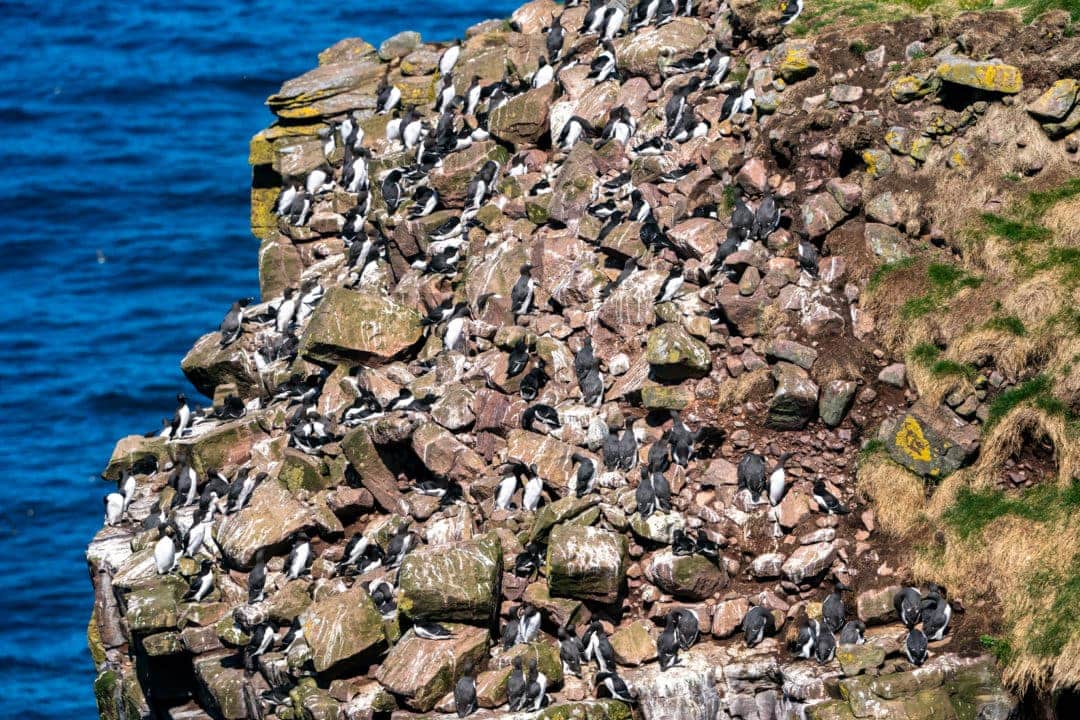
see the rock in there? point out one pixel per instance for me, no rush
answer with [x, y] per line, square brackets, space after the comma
[400, 45]
[856, 659]
[586, 563]
[673, 353]
[907, 88]
[753, 176]
[340, 628]
[444, 455]
[988, 76]
[875, 607]
[1066, 126]
[350, 325]
[696, 237]
[885, 242]
[572, 190]
[767, 566]
[551, 456]
[422, 671]
[221, 682]
[848, 195]
[794, 402]
[631, 304]
[646, 51]
[136, 454]
[270, 517]
[809, 561]
[885, 208]
[793, 352]
[634, 644]
[152, 607]
[932, 442]
[208, 365]
[1055, 103]
[328, 89]
[821, 213]
[687, 691]
[658, 527]
[560, 511]
[895, 375]
[795, 62]
[845, 93]
[836, 397]
[452, 178]
[460, 582]
[524, 118]
[561, 611]
[375, 477]
[665, 397]
[687, 577]
[729, 616]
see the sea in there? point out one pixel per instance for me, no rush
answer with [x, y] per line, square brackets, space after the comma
[124, 236]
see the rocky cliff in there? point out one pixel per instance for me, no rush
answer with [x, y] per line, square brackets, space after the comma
[897, 342]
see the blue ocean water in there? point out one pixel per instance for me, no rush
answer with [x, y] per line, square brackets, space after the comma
[124, 216]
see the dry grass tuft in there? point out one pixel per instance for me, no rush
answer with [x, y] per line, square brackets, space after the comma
[898, 496]
[1022, 425]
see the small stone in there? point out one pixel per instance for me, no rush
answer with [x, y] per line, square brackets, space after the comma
[895, 375]
[845, 93]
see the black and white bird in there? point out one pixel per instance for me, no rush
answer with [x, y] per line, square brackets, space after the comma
[230, 327]
[751, 475]
[286, 310]
[391, 190]
[535, 687]
[199, 531]
[517, 359]
[827, 501]
[832, 610]
[687, 626]
[612, 22]
[516, 685]
[387, 98]
[528, 623]
[808, 257]
[678, 106]
[263, 639]
[257, 580]
[672, 284]
[738, 102]
[620, 126]
[465, 689]
[424, 202]
[202, 583]
[449, 58]
[432, 631]
[667, 644]
[778, 480]
[615, 686]
[114, 508]
[791, 12]
[521, 295]
[603, 65]
[543, 414]
[181, 418]
[575, 129]
[401, 542]
[757, 623]
[529, 560]
[165, 551]
[908, 605]
[717, 68]
[534, 381]
[585, 478]
[300, 556]
[554, 38]
[766, 218]
[481, 185]
[936, 613]
[543, 75]
[534, 486]
[382, 594]
[570, 651]
[592, 387]
[915, 647]
[806, 639]
[241, 488]
[598, 647]
[852, 633]
[504, 495]
[825, 646]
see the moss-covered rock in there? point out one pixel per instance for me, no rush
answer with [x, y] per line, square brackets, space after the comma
[674, 353]
[932, 442]
[586, 563]
[354, 325]
[687, 577]
[152, 607]
[988, 76]
[459, 582]
[665, 397]
[221, 684]
[648, 50]
[557, 512]
[856, 659]
[524, 118]
[269, 518]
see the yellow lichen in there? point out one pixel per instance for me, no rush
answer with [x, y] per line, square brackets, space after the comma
[911, 440]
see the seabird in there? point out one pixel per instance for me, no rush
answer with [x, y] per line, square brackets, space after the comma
[585, 478]
[667, 645]
[792, 11]
[424, 202]
[505, 494]
[592, 387]
[612, 21]
[803, 644]
[825, 646]
[230, 327]
[717, 68]
[521, 295]
[534, 381]
[544, 414]
[751, 475]
[766, 218]
[202, 583]
[604, 65]
[687, 627]
[615, 685]
[832, 610]
[465, 688]
[621, 127]
[181, 417]
[554, 38]
[658, 459]
[536, 687]
[530, 500]
[449, 59]
[852, 633]
[391, 190]
[528, 624]
[575, 129]
[262, 639]
[286, 310]
[915, 647]
[432, 631]
[936, 613]
[597, 646]
[827, 501]
[257, 580]
[528, 561]
[808, 257]
[544, 74]
[401, 542]
[756, 624]
[908, 604]
[241, 488]
[682, 544]
[672, 284]
[778, 480]
[387, 98]
[570, 651]
[516, 685]
[165, 551]
[114, 508]
[382, 594]
[299, 557]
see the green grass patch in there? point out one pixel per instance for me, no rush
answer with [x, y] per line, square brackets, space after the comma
[1056, 627]
[1038, 386]
[883, 271]
[949, 279]
[925, 353]
[870, 448]
[943, 368]
[728, 200]
[1007, 323]
[919, 306]
[1034, 8]
[974, 510]
[858, 47]
[1013, 230]
[999, 647]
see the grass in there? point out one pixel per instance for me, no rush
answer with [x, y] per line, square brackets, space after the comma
[925, 353]
[728, 201]
[1015, 231]
[836, 14]
[1054, 632]
[858, 47]
[1034, 8]
[975, 509]
[945, 281]
[1007, 323]
[883, 271]
[917, 307]
[1036, 391]
[871, 447]
[999, 647]
[943, 368]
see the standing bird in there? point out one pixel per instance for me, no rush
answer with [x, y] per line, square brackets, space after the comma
[517, 359]
[915, 647]
[202, 583]
[230, 327]
[803, 644]
[751, 475]
[766, 218]
[791, 12]
[908, 605]
[181, 417]
[687, 627]
[672, 284]
[597, 646]
[778, 480]
[533, 487]
[299, 557]
[756, 624]
[449, 58]
[534, 381]
[516, 685]
[570, 652]
[936, 613]
[387, 98]
[114, 508]
[536, 689]
[585, 479]
[286, 310]
[554, 38]
[832, 610]
[391, 190]
[825, 646]
[257, 580]
[521, 295]
[827, 501]
[852, 633]
[465, 691]
[165, 551]
[615, 686]
[808, 257]
[667, 644]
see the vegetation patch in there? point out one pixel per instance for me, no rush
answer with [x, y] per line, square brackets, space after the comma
[885, 270]
[974, 510]
[1007, 323]
[925, 353]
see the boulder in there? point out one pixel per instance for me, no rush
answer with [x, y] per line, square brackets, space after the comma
[794, 62]
[269, 518]
[729, 616]
[586, 563]
[208, 365]
[792, 352]
[930, 441]
[1056, 102]
[572, 190]
[856, 659]
[809, 561]
[631, 305]
[648, 50]
[687, 691]
[328, 90]
[836, 397]
[452, 178]
[350, 325]
[524, 118]
[152, 607]
[220, 682]
[136, 454]
[375, 477]
[341, 628]
[550, 455]
[444, 455]
[794, 402]
[988, 76]
[459, 582]
[400, 45]
[687, 577]
[886, 242]
[422, 671]
[673, 353]
[821, 213]
[634, 644]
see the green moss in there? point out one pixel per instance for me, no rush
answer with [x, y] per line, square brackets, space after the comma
[871, 447]
[924, 353]
[943, 368]
[728, 202]
[999, 647]
[884, 270]
[858, 47]
[1007, 323]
